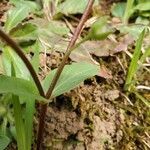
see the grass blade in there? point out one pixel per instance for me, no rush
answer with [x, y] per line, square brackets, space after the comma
[19, 124]
[134, 62]
[29, 114]
[19, 87]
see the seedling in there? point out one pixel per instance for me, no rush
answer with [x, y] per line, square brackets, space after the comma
[136, 61]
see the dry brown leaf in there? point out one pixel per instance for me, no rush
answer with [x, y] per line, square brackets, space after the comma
[107, 47]
[80, 55]
[105, 73]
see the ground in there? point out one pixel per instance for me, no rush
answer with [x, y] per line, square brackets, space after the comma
[98, 114]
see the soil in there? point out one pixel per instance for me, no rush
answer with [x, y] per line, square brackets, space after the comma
[97, 115]
[86, 117]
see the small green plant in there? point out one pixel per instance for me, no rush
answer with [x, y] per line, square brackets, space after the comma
[20, 79]
[137, 60]
[134, 62]
[132, 9]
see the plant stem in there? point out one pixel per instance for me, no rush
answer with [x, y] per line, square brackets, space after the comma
[18, 50]
[59, 70]
[69, 48]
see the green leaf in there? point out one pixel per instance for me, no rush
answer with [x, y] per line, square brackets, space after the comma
[71, 77]
[19, 87]
[1, 65]
[33, 6]
[15, 16]
[143, 6]
[73, 6]
[4, 141]
[58, 28]
[35, 61]
[3, 111]
[19, 13]
[10, 56]
[51, 34]
[29, 114]
[99, 30]
[18, 116]
[19, 124]
[142, 20]
[118, 9]
[24, 32]
[13, 132]
[134, 62]
[133, 30]
[52, 27]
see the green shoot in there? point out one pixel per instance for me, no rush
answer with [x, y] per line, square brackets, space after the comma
[29, 114]
[134, 62]
[19, 124]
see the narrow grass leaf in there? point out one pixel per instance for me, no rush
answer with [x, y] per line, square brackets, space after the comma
[71, 76]
[134, 62]
[19, 124]
[29, 114]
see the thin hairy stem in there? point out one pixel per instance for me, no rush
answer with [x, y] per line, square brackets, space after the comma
[20, 53]
[59, 70]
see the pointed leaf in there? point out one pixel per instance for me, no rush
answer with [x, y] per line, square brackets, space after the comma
[134, 62]
[73, 6]
[24, 32]
[19, 13]
[10, 56]
[15, 16]
[71, 76]
[19, 87]
[33, 6]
